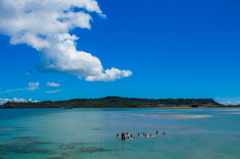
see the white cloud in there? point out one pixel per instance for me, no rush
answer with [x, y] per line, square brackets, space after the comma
[5, 100]
[17, 100]
[45, 25]
[110, 75]
[55, 91]
[229, 100]
[11, 90]
[53, 84]
[32, 86]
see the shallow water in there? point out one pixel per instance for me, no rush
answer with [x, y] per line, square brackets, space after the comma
[91, 133]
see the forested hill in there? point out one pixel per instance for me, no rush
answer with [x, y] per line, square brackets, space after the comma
[115, 102]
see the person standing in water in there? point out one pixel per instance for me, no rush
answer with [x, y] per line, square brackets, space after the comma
[156, 132]
[117, 135]
[150, 134]
[123, 136]
[164, 133]
[138, 134]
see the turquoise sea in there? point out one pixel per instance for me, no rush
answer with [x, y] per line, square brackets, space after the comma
[91, 133]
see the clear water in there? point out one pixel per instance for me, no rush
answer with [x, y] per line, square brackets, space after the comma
[91, 133]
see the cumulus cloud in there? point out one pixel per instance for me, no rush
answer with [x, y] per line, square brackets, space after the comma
[5, 100]
[17, 100]
[45, 25]
[53, 84]
[109, 75]
[55, 91]
[32, 86]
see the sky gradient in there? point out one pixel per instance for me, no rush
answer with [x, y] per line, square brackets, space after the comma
[174, 49]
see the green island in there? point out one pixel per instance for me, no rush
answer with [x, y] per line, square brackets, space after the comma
[120, 102]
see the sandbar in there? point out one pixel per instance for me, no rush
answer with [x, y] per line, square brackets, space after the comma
[173, 116]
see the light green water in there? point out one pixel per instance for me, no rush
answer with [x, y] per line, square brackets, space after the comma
[91, 133]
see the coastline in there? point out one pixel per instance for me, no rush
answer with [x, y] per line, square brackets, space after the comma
[170, 107]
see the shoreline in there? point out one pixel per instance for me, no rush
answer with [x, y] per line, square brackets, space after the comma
[185, 107]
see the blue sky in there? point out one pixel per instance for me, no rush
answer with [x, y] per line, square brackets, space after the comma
[174, 49]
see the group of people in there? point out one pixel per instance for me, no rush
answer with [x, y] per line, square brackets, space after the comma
[127, 136]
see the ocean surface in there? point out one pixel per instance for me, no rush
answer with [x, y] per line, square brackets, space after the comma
[91, 133]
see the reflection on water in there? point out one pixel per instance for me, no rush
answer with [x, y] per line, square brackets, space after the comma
[91, 133]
